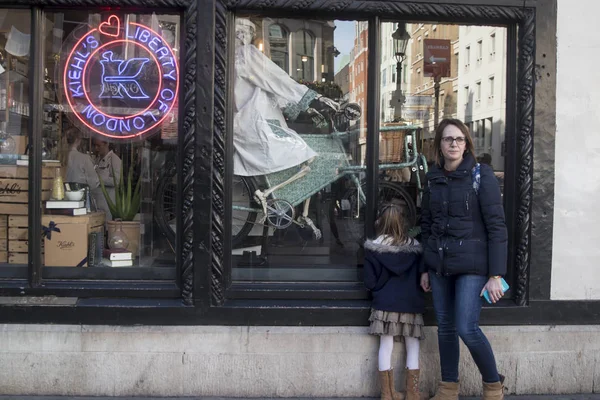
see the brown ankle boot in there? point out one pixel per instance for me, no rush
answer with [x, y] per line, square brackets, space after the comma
[446, 391]
[493, 391]
[388, 389]
[412, 385]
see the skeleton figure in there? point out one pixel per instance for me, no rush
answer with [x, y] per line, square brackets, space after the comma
[264, 96]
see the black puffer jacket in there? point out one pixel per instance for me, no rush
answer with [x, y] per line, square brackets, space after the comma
[463, 232]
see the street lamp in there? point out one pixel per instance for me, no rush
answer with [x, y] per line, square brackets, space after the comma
[401, 38]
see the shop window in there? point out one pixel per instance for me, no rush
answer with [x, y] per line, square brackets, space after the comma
[109, 145]
[304, 61]
[306, 222]
[278, 42]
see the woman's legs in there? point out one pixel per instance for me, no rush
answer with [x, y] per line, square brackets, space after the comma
[443, 289]
[386, 346]
[468, 308]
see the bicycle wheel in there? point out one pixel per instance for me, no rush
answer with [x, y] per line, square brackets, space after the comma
[242, 221]
[389, 192]
[165, 201]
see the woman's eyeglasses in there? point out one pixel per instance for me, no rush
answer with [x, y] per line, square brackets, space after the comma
[450, 139]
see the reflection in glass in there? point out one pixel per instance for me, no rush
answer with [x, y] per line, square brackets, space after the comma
[304, 46]
[299, 147]
[278, 40]
[469, 87]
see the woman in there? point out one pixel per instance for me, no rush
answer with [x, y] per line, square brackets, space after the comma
[80, 168]
[465, 247]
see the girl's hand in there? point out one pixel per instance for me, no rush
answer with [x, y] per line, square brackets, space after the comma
[425, 282]
[494, 288]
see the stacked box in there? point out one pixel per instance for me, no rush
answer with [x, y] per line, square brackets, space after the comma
[18, 239]
[69, 247]
[14, 188]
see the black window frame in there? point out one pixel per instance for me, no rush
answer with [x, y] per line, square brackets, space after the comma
[205, 295]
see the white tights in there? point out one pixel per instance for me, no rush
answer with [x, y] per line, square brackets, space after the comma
[386, 346]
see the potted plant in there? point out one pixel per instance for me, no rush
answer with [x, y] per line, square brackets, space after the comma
[124, 208]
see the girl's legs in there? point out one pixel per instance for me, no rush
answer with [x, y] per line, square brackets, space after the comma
[386, 346]
[412, 352]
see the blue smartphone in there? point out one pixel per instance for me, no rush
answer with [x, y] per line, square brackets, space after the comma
[505, 287]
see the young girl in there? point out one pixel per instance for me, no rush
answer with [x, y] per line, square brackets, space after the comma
[392, 276]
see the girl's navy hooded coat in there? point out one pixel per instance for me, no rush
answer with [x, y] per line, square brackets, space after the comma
[392, 276]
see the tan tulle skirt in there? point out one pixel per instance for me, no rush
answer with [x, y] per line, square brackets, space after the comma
[396, 324]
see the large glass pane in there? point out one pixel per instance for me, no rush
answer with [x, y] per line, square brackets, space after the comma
[299, 151]
[467, 66]
[15, 107]
[110, 136]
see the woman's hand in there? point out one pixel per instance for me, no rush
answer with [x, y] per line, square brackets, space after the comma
[494, 288]
[425, 282]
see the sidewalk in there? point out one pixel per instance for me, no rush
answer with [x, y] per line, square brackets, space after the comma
[545, 397]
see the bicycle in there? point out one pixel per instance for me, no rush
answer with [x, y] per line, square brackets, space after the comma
[270, 201]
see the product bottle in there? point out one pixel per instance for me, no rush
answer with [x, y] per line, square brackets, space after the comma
[58, 187]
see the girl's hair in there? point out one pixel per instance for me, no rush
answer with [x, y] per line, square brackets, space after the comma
[390, 223]
[69, 138]
[437, 142]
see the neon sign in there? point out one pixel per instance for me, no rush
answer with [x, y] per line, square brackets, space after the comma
[121, 82]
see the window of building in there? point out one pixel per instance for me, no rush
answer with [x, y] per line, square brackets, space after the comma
[491, 88]
[467, 95]
[479, 51]
[279, 43]
[384, 77]
[492, 46]
[112, 143]
[304, 48]
[467, 57]
[477, 93]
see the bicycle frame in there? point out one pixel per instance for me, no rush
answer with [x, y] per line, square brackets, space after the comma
[285, 179]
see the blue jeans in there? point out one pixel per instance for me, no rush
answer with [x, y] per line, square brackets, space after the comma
[457, 307]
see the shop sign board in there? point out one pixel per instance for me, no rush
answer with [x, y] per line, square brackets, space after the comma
[120, 79]
[437, 55]
[416, 101]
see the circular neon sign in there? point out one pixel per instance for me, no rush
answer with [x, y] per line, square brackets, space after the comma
[121, 82]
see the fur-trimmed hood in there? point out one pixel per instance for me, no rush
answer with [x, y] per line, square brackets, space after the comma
[378, 246]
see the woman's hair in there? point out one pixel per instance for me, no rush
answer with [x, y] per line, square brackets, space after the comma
[390, 223]
[69, 138]
[437, 143]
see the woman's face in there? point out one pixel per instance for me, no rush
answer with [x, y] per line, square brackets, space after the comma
[453, 144]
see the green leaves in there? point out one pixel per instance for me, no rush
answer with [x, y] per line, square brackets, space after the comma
[127, 198]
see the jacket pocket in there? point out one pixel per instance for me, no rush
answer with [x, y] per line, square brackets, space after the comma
[466, 257]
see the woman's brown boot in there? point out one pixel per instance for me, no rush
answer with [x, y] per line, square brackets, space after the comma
[412, 385]
[495, 390]
[446, 391]
[388, 389]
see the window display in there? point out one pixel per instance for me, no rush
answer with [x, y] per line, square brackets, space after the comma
[292, 161]
[112, 82]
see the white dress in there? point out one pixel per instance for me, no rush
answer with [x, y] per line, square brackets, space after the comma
[262, 139]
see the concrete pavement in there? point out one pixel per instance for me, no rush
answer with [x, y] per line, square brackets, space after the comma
[543, 397]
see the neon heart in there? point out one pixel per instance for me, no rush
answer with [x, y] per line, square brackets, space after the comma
[111, 27]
